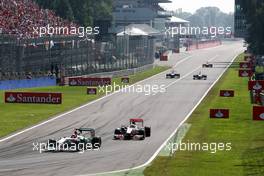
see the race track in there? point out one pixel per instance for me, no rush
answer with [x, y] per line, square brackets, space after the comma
[163, 112]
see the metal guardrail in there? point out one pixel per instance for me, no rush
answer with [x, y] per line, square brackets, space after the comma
[114, 74]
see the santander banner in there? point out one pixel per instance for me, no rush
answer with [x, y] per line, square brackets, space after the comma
[219, 113]
[227, 93]
[33, 97]
[245, 73]
[245, 65]
[256, 85]
[81, 81]
[258, 113]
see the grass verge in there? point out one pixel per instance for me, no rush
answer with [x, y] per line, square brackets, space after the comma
[15, 117]
[246, 136]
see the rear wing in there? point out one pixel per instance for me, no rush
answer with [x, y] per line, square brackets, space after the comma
[136, 120]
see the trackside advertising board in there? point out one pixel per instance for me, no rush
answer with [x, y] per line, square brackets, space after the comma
[227, 93]
[33, 97]
[245, 65]
[81, 81]
[219, 113]
[163, 58]
[258, 113]
[245, 73]
[91, 91]
[125, 80]
[256, 85]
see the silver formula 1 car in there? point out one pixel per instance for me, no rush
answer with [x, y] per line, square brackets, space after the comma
[134, 131]
[81, 139]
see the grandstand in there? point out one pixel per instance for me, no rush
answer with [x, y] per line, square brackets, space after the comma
[18, 17]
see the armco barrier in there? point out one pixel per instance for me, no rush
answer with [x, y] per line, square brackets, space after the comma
[114, 74]
[27, 83]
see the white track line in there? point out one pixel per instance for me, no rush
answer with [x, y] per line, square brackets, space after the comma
[174, 132]
[85, 105]
[181, 61]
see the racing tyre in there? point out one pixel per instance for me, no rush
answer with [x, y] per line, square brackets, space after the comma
[147, 131]
[96, 142]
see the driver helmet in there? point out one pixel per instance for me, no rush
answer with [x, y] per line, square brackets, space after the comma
[132, 126]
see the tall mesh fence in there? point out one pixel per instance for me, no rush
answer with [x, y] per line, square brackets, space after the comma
[71, 55]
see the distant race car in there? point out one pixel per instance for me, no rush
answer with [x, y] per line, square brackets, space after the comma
[134, 131]
[172, 74]
[207, 65]
[81, 139]
[200, 77]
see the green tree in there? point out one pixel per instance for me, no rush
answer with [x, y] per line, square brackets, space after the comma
[83, 12]
[254, 14]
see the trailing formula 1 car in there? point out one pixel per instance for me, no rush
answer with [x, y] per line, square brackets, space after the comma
[135, 130]
[207, 65]
[173, 74]
[200, 76]
[81, 139]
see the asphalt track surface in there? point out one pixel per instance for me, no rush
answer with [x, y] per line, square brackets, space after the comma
[162, 111]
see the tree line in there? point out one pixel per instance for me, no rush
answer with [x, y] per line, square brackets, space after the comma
[208, 17]
[82, 12]
[254, 14]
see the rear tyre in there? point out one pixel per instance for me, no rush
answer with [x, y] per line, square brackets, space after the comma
[51, 145]
[147, 131]
[96, 142]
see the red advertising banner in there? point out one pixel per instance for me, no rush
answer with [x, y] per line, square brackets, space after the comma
[245, 73]
[81, 81]
[258, 112]
[245, 65]
[219, 113]
[33, 97]
[91, 91]
[256, 85]
[227, 93]
[125, 80]
[163, 58]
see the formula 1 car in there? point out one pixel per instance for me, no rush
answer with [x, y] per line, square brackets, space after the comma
[81, 139]
[207, 65]
[199, 77]
[172, 74]
[135, 130]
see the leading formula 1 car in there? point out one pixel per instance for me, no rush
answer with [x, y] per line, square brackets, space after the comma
[200, 76]
[207, 65]
[173, 74]
[135, 130]
[81, 139]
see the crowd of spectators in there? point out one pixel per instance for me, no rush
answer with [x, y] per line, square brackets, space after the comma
[18, 17]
